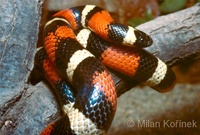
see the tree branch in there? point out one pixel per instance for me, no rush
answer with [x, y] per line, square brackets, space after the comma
[176, 38]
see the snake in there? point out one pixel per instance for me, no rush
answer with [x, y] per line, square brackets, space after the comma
[80, 46]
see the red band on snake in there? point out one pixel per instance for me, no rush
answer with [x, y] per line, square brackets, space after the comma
[77, 41]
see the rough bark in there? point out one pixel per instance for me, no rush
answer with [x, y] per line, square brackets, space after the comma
[176, 36]
[26, 109]
[19, 29]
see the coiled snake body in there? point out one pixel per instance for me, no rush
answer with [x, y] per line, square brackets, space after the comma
[78, 43]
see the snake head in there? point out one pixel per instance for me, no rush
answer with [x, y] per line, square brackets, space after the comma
[142, 39]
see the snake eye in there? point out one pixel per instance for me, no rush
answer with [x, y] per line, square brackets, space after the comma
[142, 39]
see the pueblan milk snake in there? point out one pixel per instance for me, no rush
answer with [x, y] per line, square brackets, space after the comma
[78, 43]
